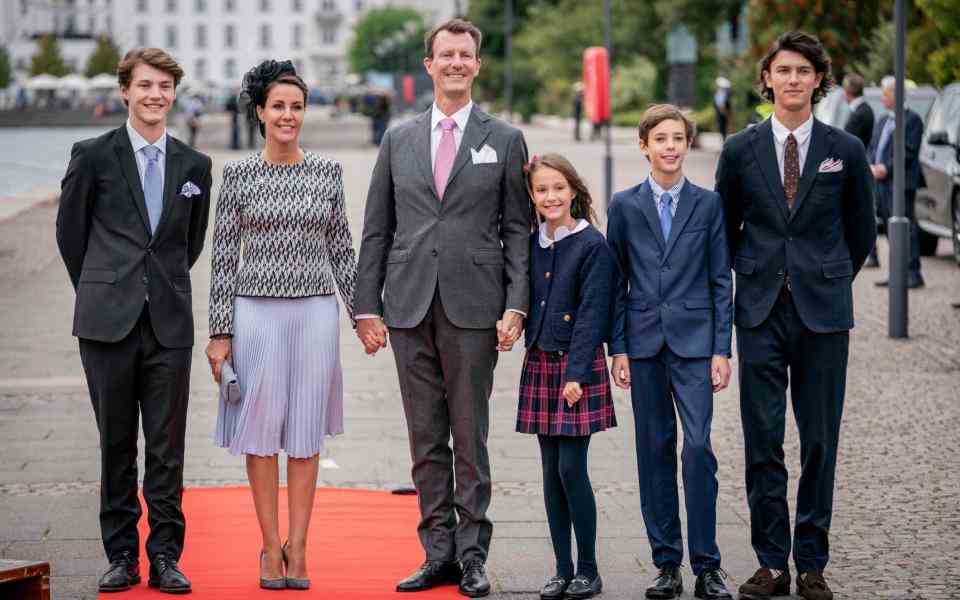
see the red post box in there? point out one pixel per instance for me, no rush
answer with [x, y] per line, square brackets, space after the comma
[596, 84]
[408, 91]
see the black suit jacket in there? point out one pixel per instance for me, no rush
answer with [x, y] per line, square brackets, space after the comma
[104, 238]
[860, 124]
[821, 244]
[913, 135]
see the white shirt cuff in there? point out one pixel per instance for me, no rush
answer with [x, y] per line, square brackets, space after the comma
[519, 312]
[365, 316]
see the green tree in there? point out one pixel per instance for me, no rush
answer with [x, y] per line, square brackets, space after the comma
[104, 59]
[388, 39]
[944, 60]
[6, 72]
[48, 58]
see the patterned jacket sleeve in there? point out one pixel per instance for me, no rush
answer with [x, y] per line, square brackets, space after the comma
[339, 242]
[225, 254]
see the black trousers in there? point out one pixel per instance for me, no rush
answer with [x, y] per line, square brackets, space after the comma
[446, 376]
[885, 211]
[138, 375]
[778, 351]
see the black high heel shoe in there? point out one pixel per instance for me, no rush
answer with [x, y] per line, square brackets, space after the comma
[294, 583]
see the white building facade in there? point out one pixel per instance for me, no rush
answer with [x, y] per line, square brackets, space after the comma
[216, 41]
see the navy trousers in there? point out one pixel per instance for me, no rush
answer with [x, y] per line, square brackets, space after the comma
[817, 366]
[661, 387]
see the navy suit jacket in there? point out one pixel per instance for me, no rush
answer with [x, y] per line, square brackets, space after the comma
[914, 176]
[677, 291]
[821, 244]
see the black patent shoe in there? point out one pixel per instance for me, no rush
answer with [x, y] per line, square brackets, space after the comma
[474, 583]
[166, 576]
[583, 587]
[431, 574]
[554, 588]
[668, 584]
[123, 573]
[710, 585]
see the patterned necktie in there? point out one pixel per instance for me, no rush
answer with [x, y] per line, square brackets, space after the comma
[791, 170]
[446, 153]
[153, 186]
[666, 217]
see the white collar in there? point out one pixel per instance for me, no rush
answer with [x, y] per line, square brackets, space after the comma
[856, 102]
[674, 190]
[138, 142]
[461, 116]
[560, 233]
[780, 131]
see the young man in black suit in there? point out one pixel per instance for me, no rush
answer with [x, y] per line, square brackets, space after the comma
[133, 214]
[798, 201]
[860, 125]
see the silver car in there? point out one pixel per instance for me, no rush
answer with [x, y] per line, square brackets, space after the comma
[938, 204]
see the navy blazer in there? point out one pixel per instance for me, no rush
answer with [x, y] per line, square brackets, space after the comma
[821, 244]
[677, 291]
[911, 159]
[571, 298]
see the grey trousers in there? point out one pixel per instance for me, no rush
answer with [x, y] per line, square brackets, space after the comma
[446, 376]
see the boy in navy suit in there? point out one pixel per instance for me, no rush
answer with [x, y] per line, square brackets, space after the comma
[671, 345]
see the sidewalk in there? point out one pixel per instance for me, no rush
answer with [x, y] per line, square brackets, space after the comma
[895, 525]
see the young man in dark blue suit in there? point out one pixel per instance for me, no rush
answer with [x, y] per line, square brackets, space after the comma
[798, 201]
[671, 343]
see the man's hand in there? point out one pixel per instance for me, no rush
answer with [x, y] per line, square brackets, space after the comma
[508, 330]
[572, 392]
[218, 352]
[621, 371]
[372, 333]
[879, 171]
[719, 372]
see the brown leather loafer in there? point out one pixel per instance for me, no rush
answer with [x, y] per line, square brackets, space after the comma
[764, 585]
[812, 586]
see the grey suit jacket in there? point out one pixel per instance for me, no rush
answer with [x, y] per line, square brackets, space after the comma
[473, 243]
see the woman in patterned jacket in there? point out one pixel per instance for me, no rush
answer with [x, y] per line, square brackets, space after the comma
[281, 244]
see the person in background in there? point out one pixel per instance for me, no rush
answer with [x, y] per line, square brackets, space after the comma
[577, 109]
[721, 105]
[233, 109]
[860, 125]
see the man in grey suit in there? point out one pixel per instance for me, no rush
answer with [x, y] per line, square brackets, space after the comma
[443, 264]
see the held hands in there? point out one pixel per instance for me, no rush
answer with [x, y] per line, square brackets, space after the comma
[508, 330]
[879, 171]
[719, 372]
[621, 371]
[572, 392]
[373, 334]
[218, 352]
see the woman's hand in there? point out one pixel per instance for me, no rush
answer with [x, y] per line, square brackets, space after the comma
[572, 392]
[218, 351]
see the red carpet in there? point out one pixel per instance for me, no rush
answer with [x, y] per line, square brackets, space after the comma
[361, 543]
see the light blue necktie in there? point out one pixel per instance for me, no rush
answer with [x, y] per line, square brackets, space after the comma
[666, 218]
[885, 134]
[153, 186]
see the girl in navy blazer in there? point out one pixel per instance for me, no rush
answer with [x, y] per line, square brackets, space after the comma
[565, 393]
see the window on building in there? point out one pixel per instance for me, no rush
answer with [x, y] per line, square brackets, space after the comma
[24, 7]
[265, 32]
[358, 5]
[171, 6]
[200, 6]
[298, 65]
[71, 25]
[109, 24]
[200, 68]
[171, 36]
[143, 40]
[230, 68]
[329, 5]
[141, 6]
[264, 5]
[229, 36]
[297, 38]
[229, 5]
[329, 35]
[91, 24]
[201, 36]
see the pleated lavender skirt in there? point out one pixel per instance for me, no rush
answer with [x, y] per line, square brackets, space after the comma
[286, 353]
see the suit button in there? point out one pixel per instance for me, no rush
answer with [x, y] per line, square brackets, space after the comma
[433, 252]
[543, 303]
[566, 318]
[780, 272]
[144, 280]
[547, 275]
[149, 250]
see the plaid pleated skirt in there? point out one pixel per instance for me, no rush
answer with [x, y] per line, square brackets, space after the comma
[543, 409]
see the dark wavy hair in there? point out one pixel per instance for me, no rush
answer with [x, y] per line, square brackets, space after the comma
[582, 205]
[811, 49]
[258, 82]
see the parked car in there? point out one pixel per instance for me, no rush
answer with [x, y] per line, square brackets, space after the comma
[834, 110]
[938, 204]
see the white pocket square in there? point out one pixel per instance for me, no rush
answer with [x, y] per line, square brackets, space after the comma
[189, 189]
[485, 155]
[831, 165]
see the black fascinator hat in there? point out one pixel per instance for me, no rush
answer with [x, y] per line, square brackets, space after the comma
[258, 81]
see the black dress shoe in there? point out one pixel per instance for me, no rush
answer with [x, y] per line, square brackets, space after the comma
[668, 583]
[554, 588]
[123, 573]
[166, 576]
[431, 574]
[474, 583]
[710, 585]
[582, 587]
[913, 282]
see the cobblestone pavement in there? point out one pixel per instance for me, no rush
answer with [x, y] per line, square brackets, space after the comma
[896, 522]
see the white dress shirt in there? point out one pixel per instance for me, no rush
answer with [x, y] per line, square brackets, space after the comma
[436, 132]
[856, 102]
[674, 192]
[802, 133]
[138, 143]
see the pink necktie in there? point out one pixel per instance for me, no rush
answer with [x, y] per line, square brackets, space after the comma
[446, 153]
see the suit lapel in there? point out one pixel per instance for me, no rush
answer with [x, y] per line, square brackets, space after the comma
[766, 155]
[820, 146]
[421, 147]
[685, 207]
[171, 176]
[648, 207]
[128, 166]
[473, 137]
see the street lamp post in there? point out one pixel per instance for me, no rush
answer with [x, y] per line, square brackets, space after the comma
[508, 56]
[608, 155]
[898, 227]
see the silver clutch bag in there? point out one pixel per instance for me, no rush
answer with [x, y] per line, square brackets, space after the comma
[229, 386]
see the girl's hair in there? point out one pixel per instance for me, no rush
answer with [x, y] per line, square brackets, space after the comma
[582, 205]
[258, 82]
